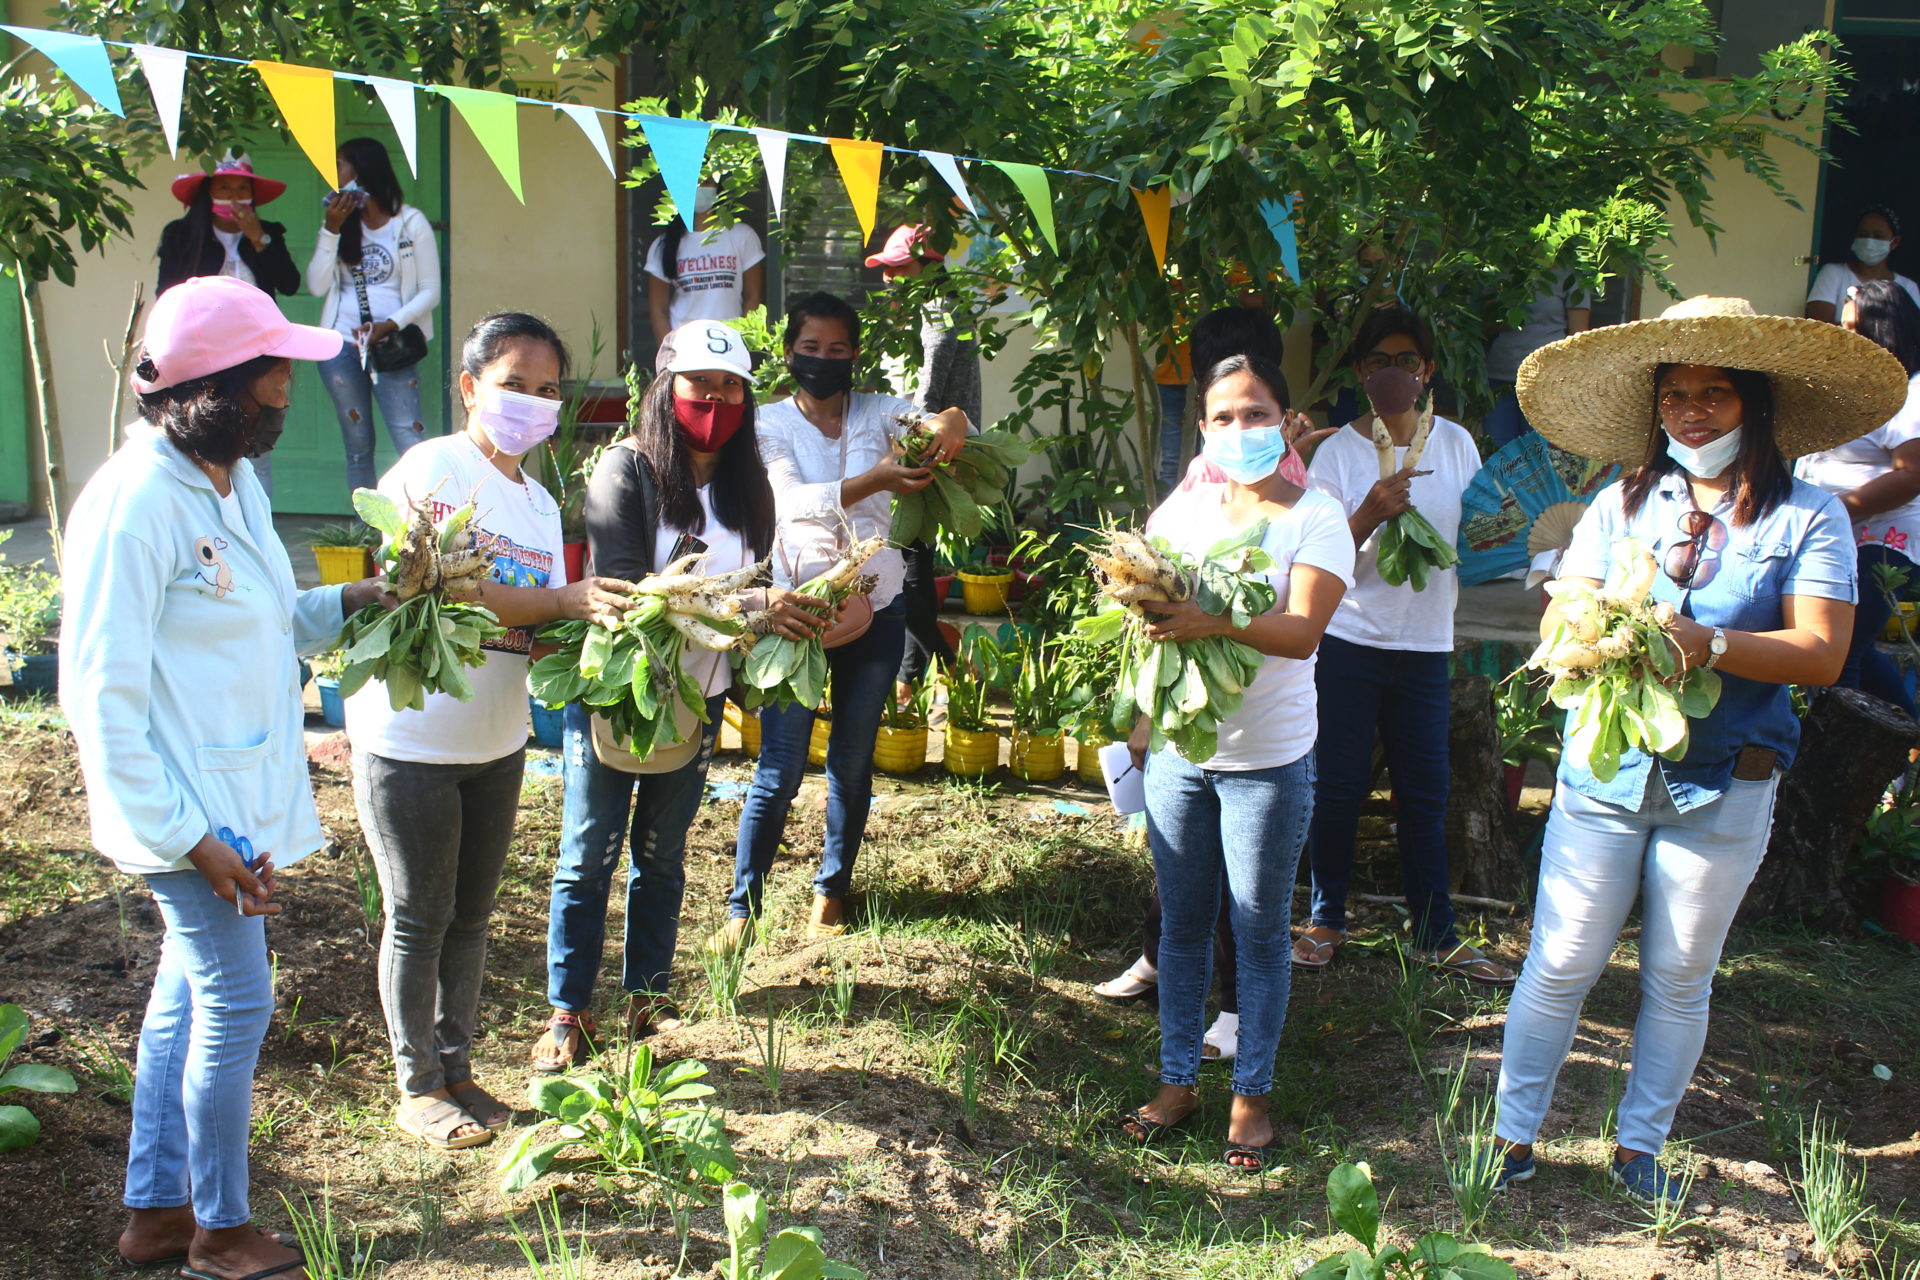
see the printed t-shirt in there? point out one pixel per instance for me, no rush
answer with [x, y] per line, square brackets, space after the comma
[712, 268]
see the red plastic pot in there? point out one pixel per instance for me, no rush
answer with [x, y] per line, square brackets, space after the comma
[576, 554]
[1516, 783]
[943, 587]
[1900, 907]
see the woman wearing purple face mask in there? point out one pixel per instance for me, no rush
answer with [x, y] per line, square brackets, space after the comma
[1384, 662]
[438, 789]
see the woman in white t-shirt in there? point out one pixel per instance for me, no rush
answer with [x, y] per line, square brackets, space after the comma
[376, 265]
[715, 272]
[1384, 665]
[1875, 236]
[1244, 812]
[1877, 478]
[438, 789]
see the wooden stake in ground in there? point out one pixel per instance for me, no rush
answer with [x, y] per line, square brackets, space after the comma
[51, 451]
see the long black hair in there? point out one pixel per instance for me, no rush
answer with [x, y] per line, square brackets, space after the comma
[491, 334]
[669, 242]
[196, 232]
[1247, 362]
[1760, 476]
[1887, 313]
[742, 495]
[203, 417]
[373, 170]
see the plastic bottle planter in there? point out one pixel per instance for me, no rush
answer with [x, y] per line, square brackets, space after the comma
[985, 592]
[1038, 757]
[333, 708]
[1087, 762]
[817, 743]
[547, 725]
[36, 673]
[750, 734]
[970, 754]
[900, 750]
[1900, 907]
[1902, 622]
[343, 564]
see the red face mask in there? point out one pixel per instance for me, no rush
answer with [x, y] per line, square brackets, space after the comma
[708, 424]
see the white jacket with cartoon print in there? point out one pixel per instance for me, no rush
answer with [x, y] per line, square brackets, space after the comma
[180, 638]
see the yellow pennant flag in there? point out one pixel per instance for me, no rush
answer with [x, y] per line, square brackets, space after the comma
[305, 98]
[1156, 209]
[860, 169]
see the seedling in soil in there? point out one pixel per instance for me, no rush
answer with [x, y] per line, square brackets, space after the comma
[1830, 1192]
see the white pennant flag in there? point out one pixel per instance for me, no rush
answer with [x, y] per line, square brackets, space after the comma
[166, 71]
[773, 154]
[589, 121]
[397, 97]
[947, 167]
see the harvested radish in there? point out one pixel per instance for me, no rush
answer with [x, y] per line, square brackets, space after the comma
[784, 672]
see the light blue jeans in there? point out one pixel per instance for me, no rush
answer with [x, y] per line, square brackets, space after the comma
[1689, 871]
[1251, 824]
[354, 390]
[193, 1085]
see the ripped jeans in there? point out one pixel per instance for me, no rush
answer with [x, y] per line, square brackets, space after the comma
[354, 390]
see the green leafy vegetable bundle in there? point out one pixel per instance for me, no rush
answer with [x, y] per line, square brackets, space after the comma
[426, 644]
[1614, 669]
[1410, 547]
[781, 672]
[963, 490]
[1185, 689]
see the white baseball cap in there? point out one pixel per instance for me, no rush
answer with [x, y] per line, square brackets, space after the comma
[702, 345]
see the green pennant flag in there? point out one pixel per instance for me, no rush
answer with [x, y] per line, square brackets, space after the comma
[495, 121]
[1032, 181]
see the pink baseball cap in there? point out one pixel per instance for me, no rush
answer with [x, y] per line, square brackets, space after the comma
[210, 323]
[902, 247]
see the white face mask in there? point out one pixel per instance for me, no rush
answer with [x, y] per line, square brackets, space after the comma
[513, 420]
[703, 197]
[1869, 252]
[1710, 459]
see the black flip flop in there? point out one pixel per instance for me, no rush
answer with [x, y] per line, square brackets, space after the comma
[299, 1260]
[1259, 1153]
[1151, 1131]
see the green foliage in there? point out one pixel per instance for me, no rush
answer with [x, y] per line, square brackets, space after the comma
[1355, 1208]
[564, 1260]
[1830, 1191]
[1890, 842]
[64, 175]
[796, 1253]
[1527, 730]
[632, 674]
[965, 490]
[342, 533]
[1411, 548]
[29, 606]
[19, 1127]
[328, 1257]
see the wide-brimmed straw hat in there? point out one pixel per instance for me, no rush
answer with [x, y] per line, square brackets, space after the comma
[187, 185]
[1592, 393]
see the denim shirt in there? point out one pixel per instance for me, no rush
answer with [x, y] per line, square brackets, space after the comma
[1803, 547]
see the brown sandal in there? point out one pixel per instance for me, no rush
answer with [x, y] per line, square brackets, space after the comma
[562, 1026]
[487, 1111]
[1314, 953]
[1466, 961]
[648, 1014]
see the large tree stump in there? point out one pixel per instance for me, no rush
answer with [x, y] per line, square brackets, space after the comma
[1851, 746]
[1483, 856]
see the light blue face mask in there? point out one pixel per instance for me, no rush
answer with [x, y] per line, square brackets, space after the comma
[1710, 459]
[1248, 456]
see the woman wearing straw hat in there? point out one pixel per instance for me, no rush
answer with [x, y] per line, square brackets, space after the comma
[221, 235]
[1704, 406]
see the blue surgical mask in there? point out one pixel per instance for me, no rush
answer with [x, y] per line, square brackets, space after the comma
[1248, 456]
[1869, 252]
[1710, 459]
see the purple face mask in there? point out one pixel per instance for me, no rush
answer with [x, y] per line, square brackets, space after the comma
[514, 421]
[1392, 390]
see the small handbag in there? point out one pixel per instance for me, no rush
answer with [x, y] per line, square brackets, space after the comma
[401, 349]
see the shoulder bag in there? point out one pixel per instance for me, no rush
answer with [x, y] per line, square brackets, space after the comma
[401, 349]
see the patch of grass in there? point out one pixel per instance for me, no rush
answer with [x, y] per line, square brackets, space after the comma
[1831, 1191]
[320, 1239]
[101, 1065]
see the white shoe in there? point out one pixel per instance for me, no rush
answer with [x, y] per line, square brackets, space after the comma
[1139, 978]
[1223, 1037]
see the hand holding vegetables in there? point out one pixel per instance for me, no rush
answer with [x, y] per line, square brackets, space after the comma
[784, 669]
[1410, 547]
[964, 479]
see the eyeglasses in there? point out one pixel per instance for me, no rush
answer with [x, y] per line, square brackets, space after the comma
[1683, 561]
[1712, 398]
[1411, 361]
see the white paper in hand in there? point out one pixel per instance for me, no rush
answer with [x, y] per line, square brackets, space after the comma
[1126, 782]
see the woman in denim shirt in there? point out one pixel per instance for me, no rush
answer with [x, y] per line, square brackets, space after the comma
[1705, 405]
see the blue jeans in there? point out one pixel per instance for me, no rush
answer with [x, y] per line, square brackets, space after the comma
[1505, 422]
[1689, 871]
[1250, 825]
[193, 1085]
[354, 390]
[1867, 668]
[1404, 695]
[1173, 425]
[594, 826]
[860, 678]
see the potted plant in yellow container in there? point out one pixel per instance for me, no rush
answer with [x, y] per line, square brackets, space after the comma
[748, 725]
[901, 746]
[973, 743]
[817, 740]
[1038, 690]
[344, 552]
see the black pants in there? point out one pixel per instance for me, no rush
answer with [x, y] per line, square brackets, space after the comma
[925, 644]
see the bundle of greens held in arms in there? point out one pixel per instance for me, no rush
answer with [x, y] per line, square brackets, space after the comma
[426, 644]
[1410, 547]
[1186, 688]
[964, 489]
[632, 673]
[1615, 670]
[781, 672]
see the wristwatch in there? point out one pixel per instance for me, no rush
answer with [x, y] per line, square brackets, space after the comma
[1716, 648]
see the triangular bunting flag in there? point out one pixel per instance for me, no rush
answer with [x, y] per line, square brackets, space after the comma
[773, 155]
[859, 164]
[397, 97]
[305, 98]
[495, 121]
[166, 71]
[1156, 208]
[1032, 181]
[1279, 216]
[680, 149]
[589, 121]
[83, 59]
[949, 168]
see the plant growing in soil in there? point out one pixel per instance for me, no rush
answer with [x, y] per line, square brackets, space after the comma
[564, 1261]
[1355, 1208]
[29, 607]
[105, 1068]
[796, 1253]
[1890, 843]
[19, 1127]
[343, 534]
[320, 1240]
[968, 692]
[1830, 1192]
[1527, 731]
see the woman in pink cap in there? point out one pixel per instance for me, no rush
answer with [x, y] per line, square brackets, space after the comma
[221, 235]
[176, 589]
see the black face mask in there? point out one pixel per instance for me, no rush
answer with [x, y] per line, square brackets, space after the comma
[267, 429]
[821, 377]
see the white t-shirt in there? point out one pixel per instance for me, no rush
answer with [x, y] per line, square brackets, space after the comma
[1836, 279]
[804, 468]
[1374, 614]
[1846, 467]
[519, 523]
[1278, 721]
[380, 266]
[708, 277]
[233, 266]
[726, 551]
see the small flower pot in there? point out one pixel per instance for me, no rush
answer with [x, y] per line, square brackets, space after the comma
[1038, 757]
[943, 587]
[1902, 622]
[1900, 907]
[547, 725]
[900, 750]
[970, 754]
[985, 592]
[1087, 762]
[343, 564]
[576, 558]
[37, 673]
[333, 707]
[1516, 778]
[817, 742]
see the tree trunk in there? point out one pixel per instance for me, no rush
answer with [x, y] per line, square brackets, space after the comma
[1851, 746]
[56, 469]
[1482, 854]
[124, 364]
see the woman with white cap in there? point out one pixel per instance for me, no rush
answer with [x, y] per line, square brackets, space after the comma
[1704, 406]
[177, 587]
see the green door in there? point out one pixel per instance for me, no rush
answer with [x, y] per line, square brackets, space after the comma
[309, 463]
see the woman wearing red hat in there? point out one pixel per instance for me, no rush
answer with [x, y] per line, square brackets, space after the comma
[222, 235]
